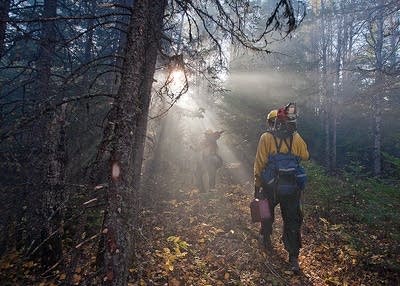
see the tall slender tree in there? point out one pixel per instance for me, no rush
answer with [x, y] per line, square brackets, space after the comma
[325, 99]
[4, 9]
[51, 144]
[377, 98]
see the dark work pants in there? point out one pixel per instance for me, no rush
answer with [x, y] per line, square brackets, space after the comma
[292, 219]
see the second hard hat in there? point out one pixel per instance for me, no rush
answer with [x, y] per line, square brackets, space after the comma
[272, 114]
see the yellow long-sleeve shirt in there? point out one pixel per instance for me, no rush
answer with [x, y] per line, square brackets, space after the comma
[266, 146]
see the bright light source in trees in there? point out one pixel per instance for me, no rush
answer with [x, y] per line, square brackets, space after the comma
[176, 83]
[177, 80]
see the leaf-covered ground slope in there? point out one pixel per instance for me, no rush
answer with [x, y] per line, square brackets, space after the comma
[194, 238]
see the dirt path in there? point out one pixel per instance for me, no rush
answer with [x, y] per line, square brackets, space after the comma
[193, 238]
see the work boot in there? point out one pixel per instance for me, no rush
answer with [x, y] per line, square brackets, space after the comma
[294, 264]
[266, 242]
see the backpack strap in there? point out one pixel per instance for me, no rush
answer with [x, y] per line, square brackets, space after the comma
[278, 146]
[288, 145]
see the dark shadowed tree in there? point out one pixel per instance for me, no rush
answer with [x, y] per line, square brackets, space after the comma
[51, 145]
[4, 9]
[130, 106]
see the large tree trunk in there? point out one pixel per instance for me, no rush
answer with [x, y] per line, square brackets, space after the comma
[46, 226]
[54, 183]
[46, 50]
[131, 103]
[103, 152]
[53, 147]
[4, 9]
[122, 26]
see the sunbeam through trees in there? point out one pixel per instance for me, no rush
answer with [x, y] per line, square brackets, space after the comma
[129, 131]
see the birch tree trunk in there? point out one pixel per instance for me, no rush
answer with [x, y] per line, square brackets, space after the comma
[131, 105]
[324, 96]
[337, 91]
[377, 98]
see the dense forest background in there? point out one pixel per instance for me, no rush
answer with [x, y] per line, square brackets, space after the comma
[101, 99]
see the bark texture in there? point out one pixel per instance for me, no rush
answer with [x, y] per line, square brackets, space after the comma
[130, 120]
[49, 139]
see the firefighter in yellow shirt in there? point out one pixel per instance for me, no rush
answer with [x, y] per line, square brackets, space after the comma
[290, 205]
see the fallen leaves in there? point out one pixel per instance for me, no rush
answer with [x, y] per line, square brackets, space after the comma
[202, 239]
[76, 279]
[171, 255]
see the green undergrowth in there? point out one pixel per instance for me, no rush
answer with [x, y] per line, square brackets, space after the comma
[367, 207]
[359, 216]
[356, 201]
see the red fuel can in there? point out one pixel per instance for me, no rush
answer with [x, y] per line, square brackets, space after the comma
[259, 210]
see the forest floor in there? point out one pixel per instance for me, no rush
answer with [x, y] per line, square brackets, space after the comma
[194, 238]
[186, 237]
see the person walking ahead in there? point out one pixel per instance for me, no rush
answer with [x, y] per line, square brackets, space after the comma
[281, 137]
[210, 160]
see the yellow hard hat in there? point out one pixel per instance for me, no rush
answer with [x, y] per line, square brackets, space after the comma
[272, 114]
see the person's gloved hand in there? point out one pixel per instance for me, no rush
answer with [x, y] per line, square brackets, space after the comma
[257, 192]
